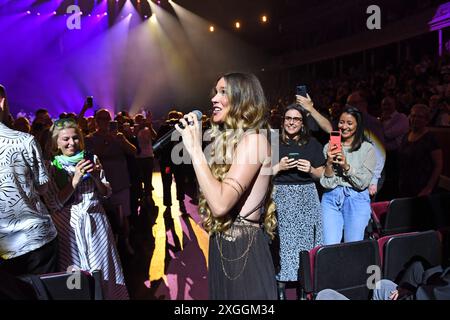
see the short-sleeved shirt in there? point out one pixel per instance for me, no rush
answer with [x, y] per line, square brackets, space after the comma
[25, 224]
[416, 164]
[311, 151]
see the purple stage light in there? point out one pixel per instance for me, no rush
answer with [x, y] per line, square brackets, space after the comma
[28, 12]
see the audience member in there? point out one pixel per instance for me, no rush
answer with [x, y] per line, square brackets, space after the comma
[78, 183]
[373, 130]
[295, 194]
[28, 242]
[419, 157]
[112, 147]
[395, 126]
[348, 172]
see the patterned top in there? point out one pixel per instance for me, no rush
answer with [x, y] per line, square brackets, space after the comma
[25, 224]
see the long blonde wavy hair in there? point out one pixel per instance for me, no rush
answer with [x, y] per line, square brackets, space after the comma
[247, 113]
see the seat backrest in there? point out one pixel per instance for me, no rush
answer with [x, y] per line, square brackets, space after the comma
[306, 268]
[379, 209]
[439, 206]
[402, 249]
[80, 285]
[344, 268]
[406, 215]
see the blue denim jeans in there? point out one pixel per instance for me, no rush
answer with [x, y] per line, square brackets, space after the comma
[344, 208]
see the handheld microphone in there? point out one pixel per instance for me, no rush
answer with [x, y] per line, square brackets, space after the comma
[166, 138]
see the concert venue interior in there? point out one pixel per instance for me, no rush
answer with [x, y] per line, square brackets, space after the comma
[151, 57]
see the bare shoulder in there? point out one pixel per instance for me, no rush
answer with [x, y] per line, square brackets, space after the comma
[253, 148]
[254, 140]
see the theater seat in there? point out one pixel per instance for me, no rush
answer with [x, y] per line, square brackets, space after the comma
[378, 215]
[67, 286]
[342, 267]
[398, 251]
[407, 215]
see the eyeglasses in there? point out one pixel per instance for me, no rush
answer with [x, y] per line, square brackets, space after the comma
[295, 119]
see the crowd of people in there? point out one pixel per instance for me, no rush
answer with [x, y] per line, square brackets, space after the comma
[72, 187]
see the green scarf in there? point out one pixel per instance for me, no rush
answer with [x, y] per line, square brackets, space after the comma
[61, 176]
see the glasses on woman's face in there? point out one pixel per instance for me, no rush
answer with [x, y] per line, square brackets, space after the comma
[293, 119]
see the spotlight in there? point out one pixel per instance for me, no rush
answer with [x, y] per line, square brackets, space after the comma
[98, 16]
[54, 12]
[153, 18]
[237, 25]
[211, 28]
[264, 19]
[145, 17]
[28, 12]
[38, 13]
[105, 14]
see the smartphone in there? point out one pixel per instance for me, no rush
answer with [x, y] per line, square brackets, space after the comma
[335, 140]
[113, 126]
[89, 155]
[90, 101]
[301, 91]
[294, 155]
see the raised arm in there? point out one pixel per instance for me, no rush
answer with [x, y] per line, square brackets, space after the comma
[250, 153]
[308, 104]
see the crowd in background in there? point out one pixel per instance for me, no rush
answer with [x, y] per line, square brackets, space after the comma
[387, 152]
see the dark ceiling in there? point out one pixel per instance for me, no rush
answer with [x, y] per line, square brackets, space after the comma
[292, 25]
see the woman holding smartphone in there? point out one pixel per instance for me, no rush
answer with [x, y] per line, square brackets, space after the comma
[77, 186]
[295, 194]
[348, 171]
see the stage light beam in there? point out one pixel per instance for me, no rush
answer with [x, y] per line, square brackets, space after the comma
[153, 18]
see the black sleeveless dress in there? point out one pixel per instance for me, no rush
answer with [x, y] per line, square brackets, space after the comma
[240, 263]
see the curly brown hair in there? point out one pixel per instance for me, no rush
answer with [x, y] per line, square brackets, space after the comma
[248, 113]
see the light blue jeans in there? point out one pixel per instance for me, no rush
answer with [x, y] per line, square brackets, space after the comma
[345, 209]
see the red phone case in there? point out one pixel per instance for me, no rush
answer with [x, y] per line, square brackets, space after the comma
[335, 140]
